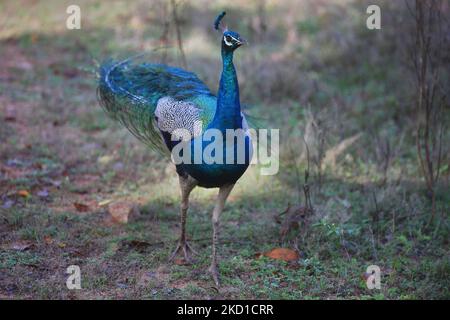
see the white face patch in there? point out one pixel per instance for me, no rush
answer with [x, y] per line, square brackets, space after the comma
[228, 43]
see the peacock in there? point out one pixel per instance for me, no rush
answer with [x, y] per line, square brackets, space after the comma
[170, 109]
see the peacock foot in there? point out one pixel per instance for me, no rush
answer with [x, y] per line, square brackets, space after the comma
[215, 274]
[186, 248]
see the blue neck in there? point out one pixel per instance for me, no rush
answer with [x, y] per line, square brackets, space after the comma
[228, 111]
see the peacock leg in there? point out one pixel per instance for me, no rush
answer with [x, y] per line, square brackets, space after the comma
[218, 208]
[187, 184]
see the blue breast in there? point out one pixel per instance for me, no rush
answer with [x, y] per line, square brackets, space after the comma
[215, 170]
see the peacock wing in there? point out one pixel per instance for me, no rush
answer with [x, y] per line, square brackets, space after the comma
[147, 98]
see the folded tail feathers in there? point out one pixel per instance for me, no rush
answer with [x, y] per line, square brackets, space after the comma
[135, 112]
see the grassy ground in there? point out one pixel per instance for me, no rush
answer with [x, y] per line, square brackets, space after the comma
[61, 160]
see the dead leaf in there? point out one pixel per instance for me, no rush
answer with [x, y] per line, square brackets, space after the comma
[37, 165]
[105, 159]
[104, 202]
[284, 254]
[121, 211]
[48, 239]
[61, 244]
[81, 207]
[23, 193]
[180, 262]
[34, 38]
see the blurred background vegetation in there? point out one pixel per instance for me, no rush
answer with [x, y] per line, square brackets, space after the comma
[356, 97]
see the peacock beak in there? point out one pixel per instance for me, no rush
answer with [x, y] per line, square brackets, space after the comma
[241, 41]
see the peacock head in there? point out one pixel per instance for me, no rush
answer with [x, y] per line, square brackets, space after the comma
[231, 40]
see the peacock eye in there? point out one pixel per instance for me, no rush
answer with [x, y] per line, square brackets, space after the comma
[228, 40]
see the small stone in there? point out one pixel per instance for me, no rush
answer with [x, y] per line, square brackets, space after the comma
[7, 204]
[43, 193]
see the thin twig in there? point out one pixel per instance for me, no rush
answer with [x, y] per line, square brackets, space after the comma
[178, 32]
